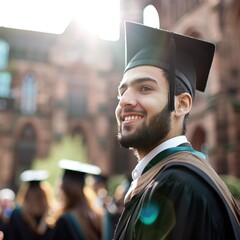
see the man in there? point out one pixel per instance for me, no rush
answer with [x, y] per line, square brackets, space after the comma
[175, 193]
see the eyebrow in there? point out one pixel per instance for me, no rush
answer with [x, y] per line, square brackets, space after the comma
[137, 81]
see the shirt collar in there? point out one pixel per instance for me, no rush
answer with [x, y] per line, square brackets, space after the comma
[173, 142]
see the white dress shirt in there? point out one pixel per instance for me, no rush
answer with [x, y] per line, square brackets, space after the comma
[173, 142]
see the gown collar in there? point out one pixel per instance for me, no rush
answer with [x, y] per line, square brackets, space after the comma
[173, 142]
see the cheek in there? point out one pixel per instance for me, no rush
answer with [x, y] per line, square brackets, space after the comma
[154, 107]
[117, 113]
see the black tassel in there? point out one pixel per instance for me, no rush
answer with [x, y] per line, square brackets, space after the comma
[172, 72]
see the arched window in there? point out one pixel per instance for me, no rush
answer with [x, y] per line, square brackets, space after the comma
[77, 97]
[26, 147]
[4, 54]
[151, 17]
[29, 95]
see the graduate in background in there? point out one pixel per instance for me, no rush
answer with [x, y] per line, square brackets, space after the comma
[79, 218]
[7, 205]
[175, 193]
[29, 220]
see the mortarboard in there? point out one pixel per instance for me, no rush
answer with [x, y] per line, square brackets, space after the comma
[7, 193]
[77, 170]
[34, 177]
[183, 57]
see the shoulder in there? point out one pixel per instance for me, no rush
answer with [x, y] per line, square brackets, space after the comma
[62, 221]
[179, 188]
[179, 173]
[16, 214]
[64, 216]
[61, 229]
[183, 181]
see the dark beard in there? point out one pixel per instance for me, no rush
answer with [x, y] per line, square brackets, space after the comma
[149, 135]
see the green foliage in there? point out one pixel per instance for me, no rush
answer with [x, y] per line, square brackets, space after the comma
[233, 184]
[68, 148]
[114, 182]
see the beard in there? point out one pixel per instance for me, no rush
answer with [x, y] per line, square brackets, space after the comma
[149, 135]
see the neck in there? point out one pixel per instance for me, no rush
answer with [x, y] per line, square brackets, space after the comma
[170, 141]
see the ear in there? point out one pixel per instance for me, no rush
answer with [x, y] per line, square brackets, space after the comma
[183, 104]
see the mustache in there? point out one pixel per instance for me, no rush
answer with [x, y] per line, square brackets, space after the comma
[132, 110]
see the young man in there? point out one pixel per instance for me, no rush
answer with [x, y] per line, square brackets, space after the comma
[175, 193]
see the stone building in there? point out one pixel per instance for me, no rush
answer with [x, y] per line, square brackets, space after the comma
[51, 85]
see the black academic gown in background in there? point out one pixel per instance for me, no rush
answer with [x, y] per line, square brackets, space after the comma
[3, 228]
[19, 229]
[68, 228]
[177, 205]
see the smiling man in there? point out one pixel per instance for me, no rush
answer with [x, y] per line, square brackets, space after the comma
[175, 193]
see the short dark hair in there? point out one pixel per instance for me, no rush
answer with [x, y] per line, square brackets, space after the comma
[179, 89]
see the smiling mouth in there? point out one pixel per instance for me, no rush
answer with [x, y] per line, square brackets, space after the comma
[128, 118]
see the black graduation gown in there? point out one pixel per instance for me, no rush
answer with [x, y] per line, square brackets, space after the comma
[68, 228]
[19, 229]
[3, 228]
[178, 205]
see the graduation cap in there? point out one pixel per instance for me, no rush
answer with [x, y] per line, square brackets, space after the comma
[77, 170]
[185, 58]
[34, 177]
[7, 193]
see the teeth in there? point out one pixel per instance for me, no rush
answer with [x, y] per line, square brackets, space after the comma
[132, 118]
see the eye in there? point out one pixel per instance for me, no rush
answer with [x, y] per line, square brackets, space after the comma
[145, 88]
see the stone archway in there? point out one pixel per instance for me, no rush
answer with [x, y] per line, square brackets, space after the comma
[79, 131]
[25, 149]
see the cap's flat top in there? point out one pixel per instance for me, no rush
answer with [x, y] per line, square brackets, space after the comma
[79, 167]
[34, 175]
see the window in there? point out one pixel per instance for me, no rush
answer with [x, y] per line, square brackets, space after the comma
[5, 84]
[77, 97]
[151, 17]
[26, 147]
[29, 94]
[4, 52]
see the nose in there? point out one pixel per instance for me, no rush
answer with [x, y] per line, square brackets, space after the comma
[127, 99]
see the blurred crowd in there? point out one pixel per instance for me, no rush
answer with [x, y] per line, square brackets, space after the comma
[78, 207]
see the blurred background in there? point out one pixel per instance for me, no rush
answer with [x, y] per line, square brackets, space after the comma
[61, 63]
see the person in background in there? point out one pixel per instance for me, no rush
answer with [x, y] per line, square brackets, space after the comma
[79, 217]
[1, 235]
[7, 204]
[175, 193]
[29, 220]
[120, 193]
[100, 188]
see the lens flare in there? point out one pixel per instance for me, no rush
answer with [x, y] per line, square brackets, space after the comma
[149, 214]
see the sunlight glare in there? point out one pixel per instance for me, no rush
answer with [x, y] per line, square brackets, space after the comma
[53, 16]
[43, 16]
[101, 17]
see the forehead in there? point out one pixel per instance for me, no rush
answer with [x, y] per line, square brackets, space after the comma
[143, 73]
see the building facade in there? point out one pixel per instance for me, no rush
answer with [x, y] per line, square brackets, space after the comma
[52, 85]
